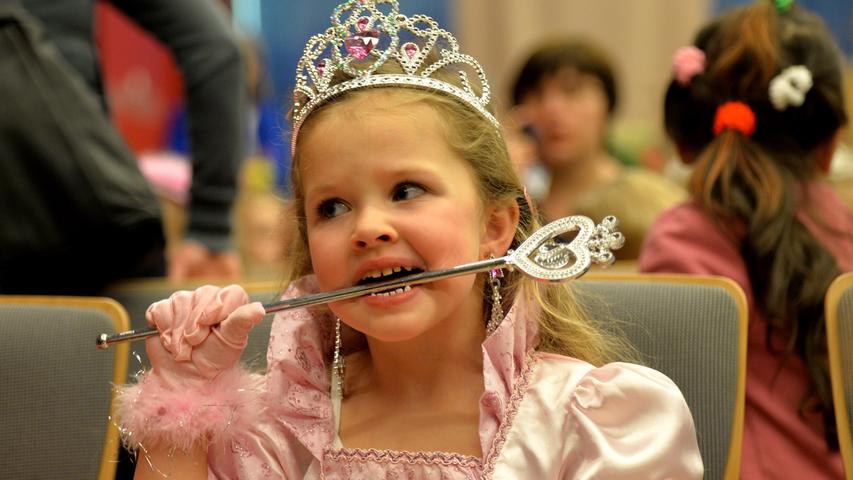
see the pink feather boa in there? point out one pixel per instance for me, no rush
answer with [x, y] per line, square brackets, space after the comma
[152, 412]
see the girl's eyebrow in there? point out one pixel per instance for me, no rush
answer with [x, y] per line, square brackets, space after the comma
[321, 190]
[414, 170]
[322, 186]
[327, 184]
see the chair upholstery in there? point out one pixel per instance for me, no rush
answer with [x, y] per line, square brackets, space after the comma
[839, 330]
[137, 295]
[56, 388]
[692, 329]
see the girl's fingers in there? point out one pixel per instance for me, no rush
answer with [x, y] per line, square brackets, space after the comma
[187, 318]
[167, 316]
[235, 329]
[206, 310]
[232, 297]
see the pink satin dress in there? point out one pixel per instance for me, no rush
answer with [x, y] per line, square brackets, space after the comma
[542, 416]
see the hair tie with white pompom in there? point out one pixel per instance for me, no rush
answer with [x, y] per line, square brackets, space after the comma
[789, 87]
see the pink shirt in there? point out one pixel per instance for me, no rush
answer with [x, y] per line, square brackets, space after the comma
[542, 416]
[777, 441]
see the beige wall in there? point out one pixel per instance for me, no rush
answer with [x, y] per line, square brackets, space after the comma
[639, 34]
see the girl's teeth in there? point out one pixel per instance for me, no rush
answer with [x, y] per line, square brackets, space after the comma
[384, 272]
[395, 292]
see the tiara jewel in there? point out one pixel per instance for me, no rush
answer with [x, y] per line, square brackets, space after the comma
[367, 34]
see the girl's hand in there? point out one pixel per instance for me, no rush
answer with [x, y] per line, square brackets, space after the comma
[202, 332]
[194, 391]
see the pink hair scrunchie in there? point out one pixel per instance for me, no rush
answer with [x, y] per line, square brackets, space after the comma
[687, 62]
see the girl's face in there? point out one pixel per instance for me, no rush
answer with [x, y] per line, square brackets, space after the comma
[386, 196]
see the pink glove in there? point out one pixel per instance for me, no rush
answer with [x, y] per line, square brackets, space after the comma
[202, 333]
[193, 393]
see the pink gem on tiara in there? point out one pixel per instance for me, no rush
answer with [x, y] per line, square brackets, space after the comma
[362, 24]
[360, 44]
[321, 67]
[411, 49]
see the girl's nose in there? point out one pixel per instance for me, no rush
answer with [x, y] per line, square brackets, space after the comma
[372, 229]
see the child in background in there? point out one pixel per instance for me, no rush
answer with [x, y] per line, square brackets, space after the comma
[566, 94]
[756, 108]
[400, 169]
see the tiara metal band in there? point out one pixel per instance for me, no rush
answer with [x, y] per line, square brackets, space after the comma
[396, 80]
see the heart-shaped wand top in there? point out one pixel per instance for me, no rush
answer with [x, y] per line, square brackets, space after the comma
[544, 256]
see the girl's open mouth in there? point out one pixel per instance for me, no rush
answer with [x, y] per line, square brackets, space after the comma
[388, 274]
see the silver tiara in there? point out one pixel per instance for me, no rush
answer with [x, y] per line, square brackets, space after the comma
[366, 34]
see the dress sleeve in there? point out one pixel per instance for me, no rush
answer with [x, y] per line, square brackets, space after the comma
[631, 422]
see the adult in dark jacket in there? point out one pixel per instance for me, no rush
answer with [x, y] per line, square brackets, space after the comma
[198, 34]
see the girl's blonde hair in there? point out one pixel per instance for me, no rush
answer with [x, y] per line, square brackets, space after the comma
[563, 328]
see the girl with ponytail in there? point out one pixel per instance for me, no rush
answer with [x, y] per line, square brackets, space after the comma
[756, 107]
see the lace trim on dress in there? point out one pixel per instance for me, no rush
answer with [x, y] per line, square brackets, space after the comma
[514, 401]
[388, 456]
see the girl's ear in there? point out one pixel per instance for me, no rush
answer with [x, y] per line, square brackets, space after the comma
[499, 225]
[825, 151]
[685, 154]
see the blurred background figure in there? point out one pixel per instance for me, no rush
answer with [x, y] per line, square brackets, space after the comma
[258, 233]
[565, 95]
[117, 234]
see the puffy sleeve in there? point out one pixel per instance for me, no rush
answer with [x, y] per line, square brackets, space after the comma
[630, 422]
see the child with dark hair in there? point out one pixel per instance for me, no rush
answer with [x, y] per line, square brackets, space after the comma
[567, 93]
[756, 107]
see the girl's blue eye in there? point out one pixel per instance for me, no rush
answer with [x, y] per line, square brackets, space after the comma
[407, 191]
[332, 208]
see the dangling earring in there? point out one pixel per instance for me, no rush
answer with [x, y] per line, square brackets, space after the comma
[497, 313]
[339, 363]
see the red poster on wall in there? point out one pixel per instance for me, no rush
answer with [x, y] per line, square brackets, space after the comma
[143, 85]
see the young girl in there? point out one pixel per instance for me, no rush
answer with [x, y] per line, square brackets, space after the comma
[756, 107]
[398, 171]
